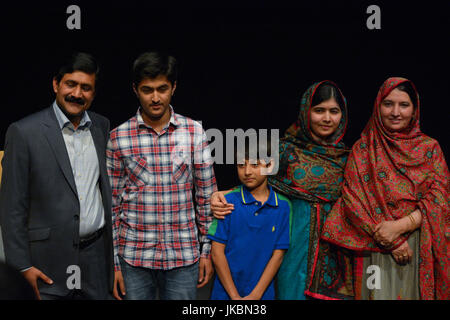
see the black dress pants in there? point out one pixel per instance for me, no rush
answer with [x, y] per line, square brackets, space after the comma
[94, 275]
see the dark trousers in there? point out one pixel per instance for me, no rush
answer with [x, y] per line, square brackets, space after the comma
[94, 275]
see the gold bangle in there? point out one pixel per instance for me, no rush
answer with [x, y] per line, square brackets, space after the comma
[409, 216]
[413, 221]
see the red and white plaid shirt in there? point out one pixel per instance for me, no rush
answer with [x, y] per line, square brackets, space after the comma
[155, 224]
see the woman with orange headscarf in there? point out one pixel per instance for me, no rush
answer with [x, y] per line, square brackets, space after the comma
[394, 209]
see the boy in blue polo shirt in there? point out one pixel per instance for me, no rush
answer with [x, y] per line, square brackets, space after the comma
[249, 244]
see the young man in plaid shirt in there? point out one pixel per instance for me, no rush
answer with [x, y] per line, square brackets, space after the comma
[155, 160]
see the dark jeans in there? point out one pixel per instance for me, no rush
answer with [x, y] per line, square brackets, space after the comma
[175, 284]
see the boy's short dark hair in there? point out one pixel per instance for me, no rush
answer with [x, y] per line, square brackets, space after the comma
[78, 61]
[152, 64]
[261, 150]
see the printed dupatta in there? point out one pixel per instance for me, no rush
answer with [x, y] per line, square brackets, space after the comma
[314, 172]
[388, 176]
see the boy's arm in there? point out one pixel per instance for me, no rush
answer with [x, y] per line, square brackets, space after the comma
[266, 278]
[223, 269]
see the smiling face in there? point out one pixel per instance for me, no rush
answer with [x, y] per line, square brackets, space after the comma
[325, 118]
[396, 111]
[74, 94]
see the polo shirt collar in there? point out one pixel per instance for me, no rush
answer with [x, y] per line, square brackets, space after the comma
[247, 197]
[173, 118]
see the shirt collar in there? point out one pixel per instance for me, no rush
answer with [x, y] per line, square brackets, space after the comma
[63, 121]
[247, 197]
[173, 118]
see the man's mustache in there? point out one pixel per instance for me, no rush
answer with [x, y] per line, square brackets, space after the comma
[73, 99]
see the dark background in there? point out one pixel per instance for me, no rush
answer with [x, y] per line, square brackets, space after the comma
[242, 65]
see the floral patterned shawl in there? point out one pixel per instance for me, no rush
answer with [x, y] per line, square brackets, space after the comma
[388, 176]
[314, 172]
[308, 169]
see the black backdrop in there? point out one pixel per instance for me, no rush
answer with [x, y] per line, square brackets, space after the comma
[242, 65]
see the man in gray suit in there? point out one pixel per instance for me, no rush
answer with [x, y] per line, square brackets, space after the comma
[55, 197]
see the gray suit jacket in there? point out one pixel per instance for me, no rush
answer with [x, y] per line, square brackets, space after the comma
[39, 207]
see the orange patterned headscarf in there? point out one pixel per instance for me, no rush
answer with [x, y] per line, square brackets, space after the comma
[388, 176]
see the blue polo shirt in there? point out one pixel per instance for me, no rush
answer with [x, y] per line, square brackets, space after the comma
[251, 232]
